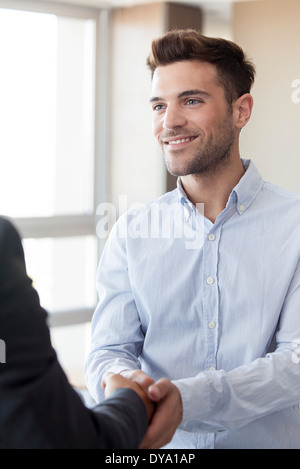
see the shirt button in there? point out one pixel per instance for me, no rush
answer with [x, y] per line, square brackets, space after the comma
[210, 280]
[211, 237]
[211, 324]
[212, 368]
[242, 208]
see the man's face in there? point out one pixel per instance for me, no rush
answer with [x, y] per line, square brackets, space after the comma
[192, 120]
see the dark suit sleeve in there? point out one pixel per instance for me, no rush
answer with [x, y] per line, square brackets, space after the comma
[38, 407]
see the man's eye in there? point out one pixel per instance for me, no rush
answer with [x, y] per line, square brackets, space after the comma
[193, 101]
[158, 107]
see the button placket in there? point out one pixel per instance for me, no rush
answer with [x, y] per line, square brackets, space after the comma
[211, 300]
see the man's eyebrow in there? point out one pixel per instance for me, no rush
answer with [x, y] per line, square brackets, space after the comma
[193, 93]
[154, 99]
[205, 94]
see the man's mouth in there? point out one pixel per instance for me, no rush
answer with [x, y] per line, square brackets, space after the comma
[178, 140]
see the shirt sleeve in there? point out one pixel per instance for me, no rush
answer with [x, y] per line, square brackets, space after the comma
[122, 419]
[117, 337]
[219, 400]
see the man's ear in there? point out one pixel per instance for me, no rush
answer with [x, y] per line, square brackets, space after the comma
[242, 109]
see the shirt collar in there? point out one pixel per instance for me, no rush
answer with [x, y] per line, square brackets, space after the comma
[248, 186]
[183, 198]
[243, 193]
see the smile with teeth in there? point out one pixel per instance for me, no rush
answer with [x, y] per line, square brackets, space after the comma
[179, 140]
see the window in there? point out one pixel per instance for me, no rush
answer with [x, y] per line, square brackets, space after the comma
[51, 128]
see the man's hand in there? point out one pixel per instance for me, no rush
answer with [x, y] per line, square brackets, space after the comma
[167, 416]
[139, 377]
[111, 382]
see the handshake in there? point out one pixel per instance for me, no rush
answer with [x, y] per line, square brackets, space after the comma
[162, 401]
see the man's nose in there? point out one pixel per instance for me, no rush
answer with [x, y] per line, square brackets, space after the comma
[174, 117]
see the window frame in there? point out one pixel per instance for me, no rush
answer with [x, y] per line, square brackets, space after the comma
[81, 224]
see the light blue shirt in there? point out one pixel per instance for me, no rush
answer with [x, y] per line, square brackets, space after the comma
[214, 307]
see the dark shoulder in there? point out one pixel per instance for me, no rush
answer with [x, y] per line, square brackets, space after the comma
[7, 229]
[10, 241]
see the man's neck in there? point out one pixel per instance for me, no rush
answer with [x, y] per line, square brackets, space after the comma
[213, 189]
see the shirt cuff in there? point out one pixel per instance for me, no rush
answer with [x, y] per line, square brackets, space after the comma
[195, 402]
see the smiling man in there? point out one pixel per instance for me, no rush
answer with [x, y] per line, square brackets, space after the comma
[218, 320]
[194, 127]
[198, 129]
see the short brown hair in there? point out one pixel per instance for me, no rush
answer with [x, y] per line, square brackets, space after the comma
[235, 71]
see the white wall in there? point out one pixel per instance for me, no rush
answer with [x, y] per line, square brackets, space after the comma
[269, 31]
[217, 19]
[137, 168]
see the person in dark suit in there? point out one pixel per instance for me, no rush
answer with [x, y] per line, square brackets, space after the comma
[38, 406]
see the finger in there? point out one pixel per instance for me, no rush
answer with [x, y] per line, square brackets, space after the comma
[154, 393]
[144, 380]
[139, 377]
[105, 378]
[159, 390]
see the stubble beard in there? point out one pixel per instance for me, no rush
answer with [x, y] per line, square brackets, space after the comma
[210, 157]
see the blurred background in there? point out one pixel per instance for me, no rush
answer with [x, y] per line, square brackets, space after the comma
[76, 128]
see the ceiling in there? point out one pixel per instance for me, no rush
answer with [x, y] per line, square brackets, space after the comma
[213, 7]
